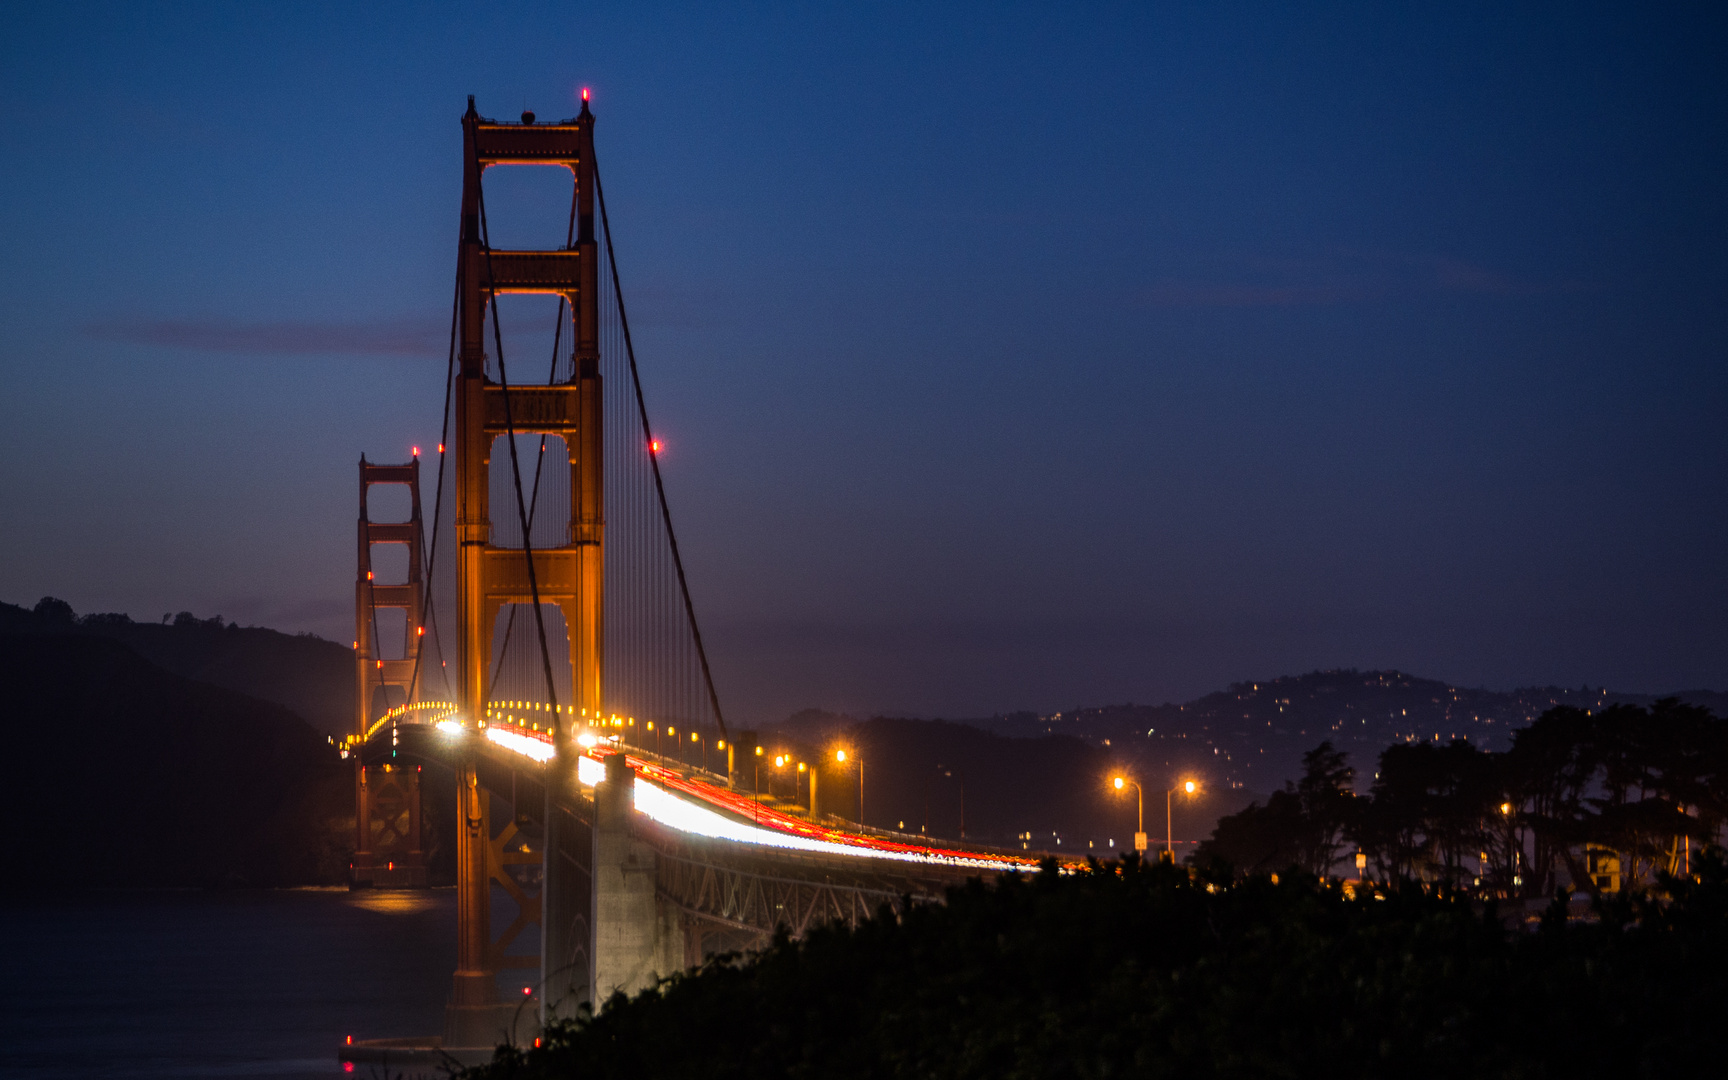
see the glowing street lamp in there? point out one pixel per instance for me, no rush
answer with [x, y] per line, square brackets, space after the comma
[841, 757]
[1140, 810]
[1187, 787]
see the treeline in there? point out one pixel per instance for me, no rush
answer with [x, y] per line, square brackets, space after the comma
[1630, 789]
[1130, 969]
[301, 672]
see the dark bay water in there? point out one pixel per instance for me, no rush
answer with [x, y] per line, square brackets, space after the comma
[216, 984]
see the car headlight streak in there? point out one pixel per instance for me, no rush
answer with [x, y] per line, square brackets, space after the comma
[588, 771]
[677, 811]
[668, 809]
[526, 745]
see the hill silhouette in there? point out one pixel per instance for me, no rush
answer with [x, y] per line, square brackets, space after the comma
[1047, 775]
[1251, 736]
[1030, 781]
[136, 776]
[301, 672]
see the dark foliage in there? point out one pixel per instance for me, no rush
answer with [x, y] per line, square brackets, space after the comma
[1648, 785]
[1143, 970]
[1302, 826]
[1254, 734]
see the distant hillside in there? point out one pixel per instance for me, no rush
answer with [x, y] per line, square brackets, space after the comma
[1253, 735]
[307, 674]
[1046, 774]
[126, 774]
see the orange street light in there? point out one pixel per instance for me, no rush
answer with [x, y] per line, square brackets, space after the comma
[1189, 787]
[842, 756]
[1121, 782]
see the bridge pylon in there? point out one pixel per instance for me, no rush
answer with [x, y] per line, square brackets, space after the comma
[388, 851]
[489, 576]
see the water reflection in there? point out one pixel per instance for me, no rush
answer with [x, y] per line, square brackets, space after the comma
[394, 901]
[251, 984]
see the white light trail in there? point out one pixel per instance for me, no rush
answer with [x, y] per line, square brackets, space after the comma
[521, 744]
[676, 812]
[668, 809]
[588, 771]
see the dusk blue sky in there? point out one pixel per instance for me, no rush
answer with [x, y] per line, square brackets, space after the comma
[1006, 357]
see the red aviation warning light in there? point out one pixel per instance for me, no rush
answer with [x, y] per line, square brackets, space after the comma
[416, 451]
[584, 93]
[654, 447]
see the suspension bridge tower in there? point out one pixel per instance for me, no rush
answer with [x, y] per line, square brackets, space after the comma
[490, 411]
[388, 852]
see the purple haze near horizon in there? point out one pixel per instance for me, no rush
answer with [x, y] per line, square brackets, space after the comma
[1005, 357]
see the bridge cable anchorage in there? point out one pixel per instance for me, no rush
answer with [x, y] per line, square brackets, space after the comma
[539, 462]
[515, 465]
[653, 458]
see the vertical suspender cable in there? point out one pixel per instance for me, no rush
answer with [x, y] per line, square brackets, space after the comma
[426, 595]
[653, 458]
[539, 462]
[515, 466]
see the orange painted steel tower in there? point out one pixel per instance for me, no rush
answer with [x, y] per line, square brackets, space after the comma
[488, 576]
[387, 843]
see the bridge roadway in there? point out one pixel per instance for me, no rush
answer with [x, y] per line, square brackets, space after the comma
[666, 865]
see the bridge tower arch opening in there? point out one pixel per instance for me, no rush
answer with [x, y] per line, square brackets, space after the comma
[499, 566]
[538, 855]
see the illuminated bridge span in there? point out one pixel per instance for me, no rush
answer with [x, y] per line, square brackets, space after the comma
[591, 856]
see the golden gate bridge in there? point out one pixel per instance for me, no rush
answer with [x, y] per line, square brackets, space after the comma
[611, 830]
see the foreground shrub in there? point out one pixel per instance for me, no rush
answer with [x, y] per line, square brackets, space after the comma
[1140, 970]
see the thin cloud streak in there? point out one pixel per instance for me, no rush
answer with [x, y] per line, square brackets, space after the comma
[402, 336]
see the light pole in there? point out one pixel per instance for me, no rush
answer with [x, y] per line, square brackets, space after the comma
[842, 757]
[1189, 787]
[756, 783]
[1140, 810]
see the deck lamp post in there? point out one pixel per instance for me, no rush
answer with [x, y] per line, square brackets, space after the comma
[1187, 787]
[1140, 810]
[841, 757]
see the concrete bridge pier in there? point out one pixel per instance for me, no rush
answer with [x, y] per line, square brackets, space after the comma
[566, 898]
[638, 940]
[474, 1016]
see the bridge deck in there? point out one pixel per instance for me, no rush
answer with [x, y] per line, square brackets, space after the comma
[687, 800]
